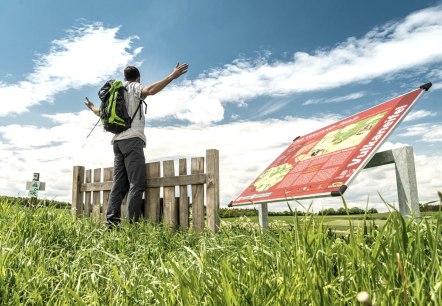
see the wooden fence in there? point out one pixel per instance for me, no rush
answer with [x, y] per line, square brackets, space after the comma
[90, 193]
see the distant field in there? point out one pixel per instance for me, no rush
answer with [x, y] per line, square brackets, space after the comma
[337, 222]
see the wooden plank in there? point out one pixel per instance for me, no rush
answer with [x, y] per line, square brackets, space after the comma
[88, 195]
[96, 195]
[170, 207]
[183, 206]
[77, 195]
[212, 190]
[152, 194]
[184, 180]
[99, 186]
[107, 176]
[154, 182]
[197, 166]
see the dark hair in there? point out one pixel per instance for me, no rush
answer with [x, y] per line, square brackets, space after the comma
[131, 73]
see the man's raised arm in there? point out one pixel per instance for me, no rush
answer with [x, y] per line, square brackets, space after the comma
[155, 88]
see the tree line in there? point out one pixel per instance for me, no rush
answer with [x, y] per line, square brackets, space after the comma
[236, 212]
[253, 212]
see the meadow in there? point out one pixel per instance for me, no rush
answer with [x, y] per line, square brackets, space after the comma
[46, 258]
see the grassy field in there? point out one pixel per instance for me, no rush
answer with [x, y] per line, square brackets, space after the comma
[337, 223]
[46, 258]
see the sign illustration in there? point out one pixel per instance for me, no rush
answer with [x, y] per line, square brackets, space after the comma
[324, 162]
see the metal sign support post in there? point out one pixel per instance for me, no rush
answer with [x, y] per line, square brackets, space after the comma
[403, 158]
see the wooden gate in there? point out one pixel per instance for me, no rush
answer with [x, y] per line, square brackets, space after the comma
[167, 196]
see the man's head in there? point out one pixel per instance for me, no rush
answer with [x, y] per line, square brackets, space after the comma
[131, 74]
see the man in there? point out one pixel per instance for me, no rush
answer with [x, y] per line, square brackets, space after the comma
[129, 160]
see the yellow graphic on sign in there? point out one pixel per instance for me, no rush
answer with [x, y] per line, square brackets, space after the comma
[272, 176]
[340, 139]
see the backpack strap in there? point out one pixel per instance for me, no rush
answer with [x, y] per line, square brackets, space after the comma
[139, 108]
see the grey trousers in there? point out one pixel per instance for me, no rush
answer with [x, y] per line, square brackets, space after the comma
[129, 177]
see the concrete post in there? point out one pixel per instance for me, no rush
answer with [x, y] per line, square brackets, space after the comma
[403, 159]
[263, 215]
[406, 181]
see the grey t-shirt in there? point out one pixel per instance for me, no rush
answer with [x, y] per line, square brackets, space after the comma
[133, 97]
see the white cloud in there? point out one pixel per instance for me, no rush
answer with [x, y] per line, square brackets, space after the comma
[93, 53]
[426, 132]
[87, 56]
[385, 50]
[272, 107]
[349, 97]
[419, 114]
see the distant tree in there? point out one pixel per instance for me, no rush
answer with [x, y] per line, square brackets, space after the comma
[236, 212]
[428, 207]
[341, 211]
[372, 211]
[356, 211]
[327, 212]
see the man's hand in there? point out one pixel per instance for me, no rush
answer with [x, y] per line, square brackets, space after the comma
[92, 107]
[155, 88]
[179, 70]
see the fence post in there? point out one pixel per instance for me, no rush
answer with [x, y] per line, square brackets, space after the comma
[212, 190]
[77, 196]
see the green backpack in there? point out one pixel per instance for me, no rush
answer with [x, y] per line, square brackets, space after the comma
[113, 110]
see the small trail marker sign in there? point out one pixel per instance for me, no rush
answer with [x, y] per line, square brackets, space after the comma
[34, 186]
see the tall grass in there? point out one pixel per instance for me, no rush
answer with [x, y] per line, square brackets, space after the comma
[48, 259]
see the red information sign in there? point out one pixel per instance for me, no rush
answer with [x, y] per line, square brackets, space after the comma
[324, 162]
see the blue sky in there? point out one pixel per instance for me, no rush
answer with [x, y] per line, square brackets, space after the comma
[261, 73]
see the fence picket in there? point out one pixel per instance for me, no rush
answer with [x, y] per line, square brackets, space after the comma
[152, 194]
[197, 166]
[183, 206]
[96, 195]
[107, 176]
[170, 207]
[212, 190]
[77, 195]
[88, 195]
